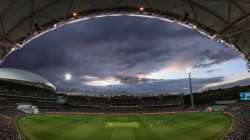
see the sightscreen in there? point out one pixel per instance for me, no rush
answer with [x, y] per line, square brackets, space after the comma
[245, 96]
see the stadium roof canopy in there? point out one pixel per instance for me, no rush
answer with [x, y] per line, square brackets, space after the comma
[23, 76]
[222, 20]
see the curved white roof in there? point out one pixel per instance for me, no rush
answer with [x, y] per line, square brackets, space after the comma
[21, 75]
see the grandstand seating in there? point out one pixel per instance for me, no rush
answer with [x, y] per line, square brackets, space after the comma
[7, 123]
[7, 131]
[241, 128]
[25, 90]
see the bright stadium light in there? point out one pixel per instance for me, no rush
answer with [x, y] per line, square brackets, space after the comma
[68, 76]
[74, 14]
[55, 25]
[13, 49]
[189, 70]
[141, 8]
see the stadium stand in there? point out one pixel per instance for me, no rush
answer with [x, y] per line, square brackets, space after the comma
[7, 130]
[123, 103]
[7, 123]
[241, 128]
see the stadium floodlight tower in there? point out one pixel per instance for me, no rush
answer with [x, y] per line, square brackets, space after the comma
[189, 70]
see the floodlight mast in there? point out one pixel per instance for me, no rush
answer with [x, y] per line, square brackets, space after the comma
[189, 70]
[191, 91]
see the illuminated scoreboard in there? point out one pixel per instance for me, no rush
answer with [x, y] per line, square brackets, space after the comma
[245, 96]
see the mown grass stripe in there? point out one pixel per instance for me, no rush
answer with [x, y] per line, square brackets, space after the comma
[188, 126]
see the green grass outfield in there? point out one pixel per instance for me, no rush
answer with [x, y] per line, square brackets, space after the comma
[180, 126]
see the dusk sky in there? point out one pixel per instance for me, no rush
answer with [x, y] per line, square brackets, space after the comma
[128, 54]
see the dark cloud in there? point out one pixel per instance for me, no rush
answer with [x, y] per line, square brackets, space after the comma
[212, 70]
[120, 47]
[216, 56]
[134, 80]
[156, 87]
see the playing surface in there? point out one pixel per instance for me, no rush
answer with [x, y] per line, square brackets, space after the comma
[180, 126]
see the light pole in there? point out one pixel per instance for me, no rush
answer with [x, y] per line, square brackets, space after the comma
[191, 91]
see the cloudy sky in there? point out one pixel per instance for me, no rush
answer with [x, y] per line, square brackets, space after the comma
[128, 54]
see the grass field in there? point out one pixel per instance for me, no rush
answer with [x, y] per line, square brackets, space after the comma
[180, 126]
